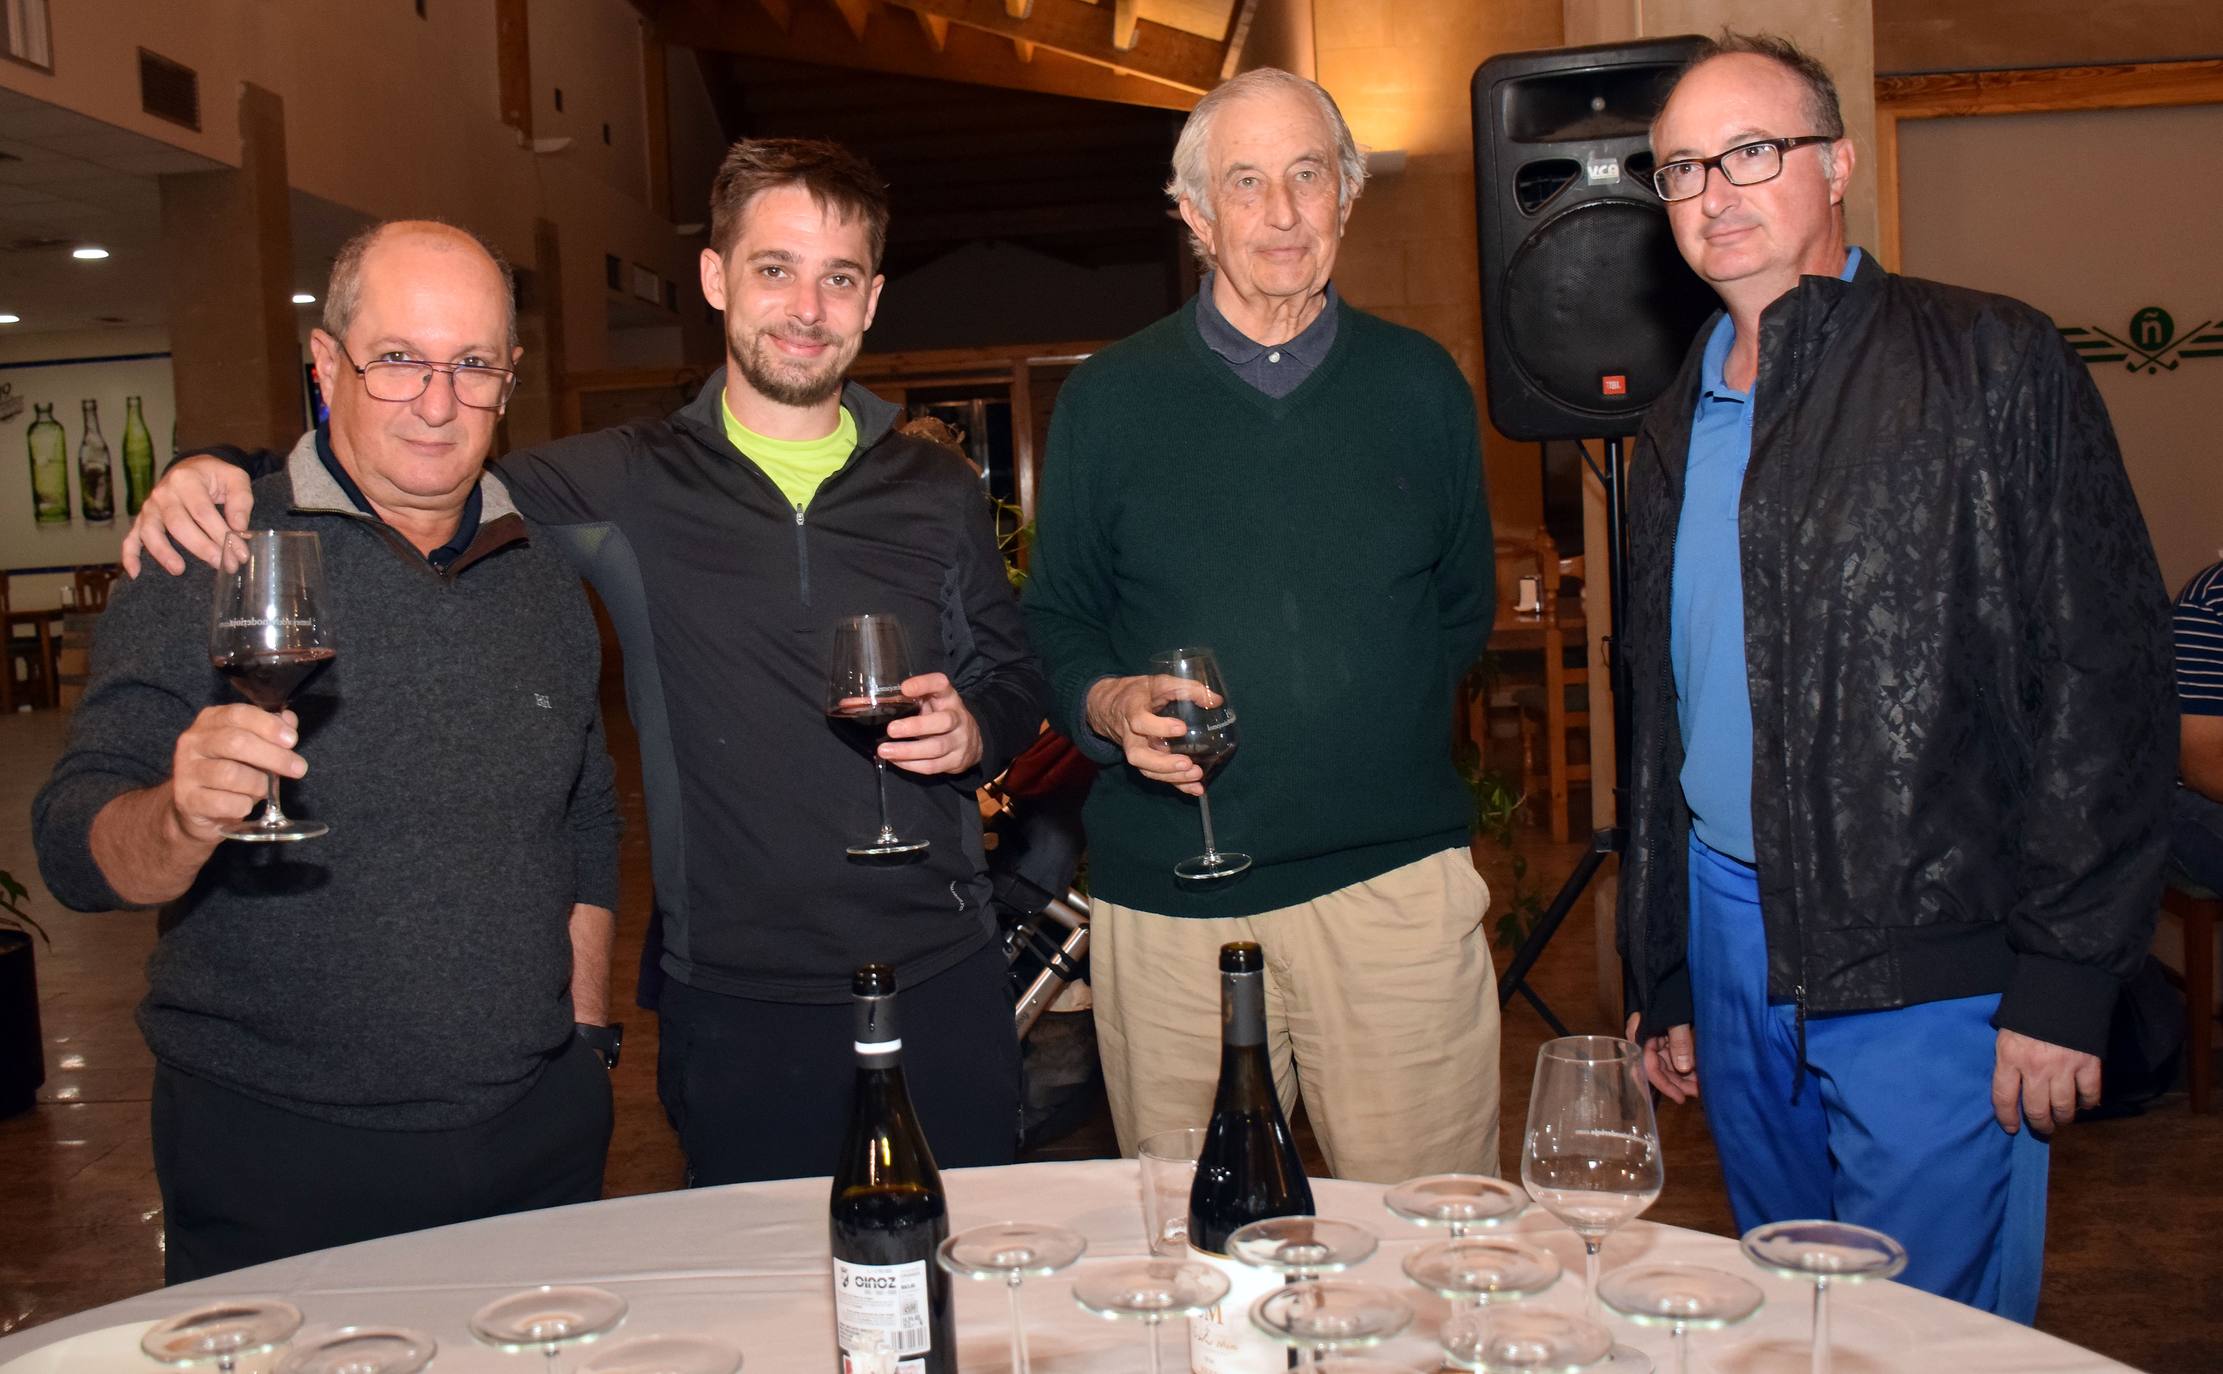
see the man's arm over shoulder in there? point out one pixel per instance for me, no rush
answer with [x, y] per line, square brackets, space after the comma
[583, 479]
[1069, 597]
[2099, 707]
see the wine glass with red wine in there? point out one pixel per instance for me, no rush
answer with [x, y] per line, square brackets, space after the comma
[1210, 739]
[269, 633]
[864, 693]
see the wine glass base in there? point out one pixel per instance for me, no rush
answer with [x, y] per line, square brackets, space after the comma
[1210, 869]
[283, 833]
[1625, 1359]
[881, 850]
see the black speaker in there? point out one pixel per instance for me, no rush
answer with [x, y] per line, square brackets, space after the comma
[1587, 309]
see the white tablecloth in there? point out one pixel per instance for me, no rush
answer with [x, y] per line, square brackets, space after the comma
[749, 1263]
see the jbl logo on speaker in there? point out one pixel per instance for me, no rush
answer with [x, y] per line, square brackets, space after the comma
[1602, 171]
[1613, 384]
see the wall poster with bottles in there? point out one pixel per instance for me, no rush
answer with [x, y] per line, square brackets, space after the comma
[87, 437]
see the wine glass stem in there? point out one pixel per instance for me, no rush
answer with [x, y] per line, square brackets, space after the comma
[224, 1362]
[880, 780]
[1590, 1276]
[1157, 1355]
[273, 815]
[1821, 1325]
[1018, 1331]
[1682, 1348]
[1211, 847]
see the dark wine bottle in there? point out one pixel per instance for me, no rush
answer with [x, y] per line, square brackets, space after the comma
[892, 1308]
[1248, 1169]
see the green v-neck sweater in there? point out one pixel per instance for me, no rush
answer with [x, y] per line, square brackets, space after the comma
[1331, 546]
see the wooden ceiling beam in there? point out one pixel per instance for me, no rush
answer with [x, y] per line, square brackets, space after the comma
[935, 27]
[781, 12]
[1018, 9]
[1023, 48]
[1090, 32]
[1125, 18]
[1238, 33]
[856, 14]
[820, 38]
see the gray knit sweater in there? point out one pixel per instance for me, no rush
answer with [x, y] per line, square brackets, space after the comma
[410, 970]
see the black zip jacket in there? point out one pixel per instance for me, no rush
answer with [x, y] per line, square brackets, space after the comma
[1964, 729]
[724, 596]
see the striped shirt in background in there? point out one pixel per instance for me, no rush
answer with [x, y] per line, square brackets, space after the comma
[2200, 643]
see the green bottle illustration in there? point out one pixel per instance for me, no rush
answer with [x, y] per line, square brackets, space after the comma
[96, 472]
[138, 457]
[49, 469]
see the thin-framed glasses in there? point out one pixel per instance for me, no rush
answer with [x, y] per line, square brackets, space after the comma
[403, 380]
[1747, 164]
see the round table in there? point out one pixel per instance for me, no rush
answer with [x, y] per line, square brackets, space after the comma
[749, 1263]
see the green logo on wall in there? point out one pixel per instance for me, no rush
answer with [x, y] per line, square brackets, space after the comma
[2153, 345]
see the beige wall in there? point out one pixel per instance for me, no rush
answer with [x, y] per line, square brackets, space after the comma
[2007, 203]
[388, 114]
[1402, 74]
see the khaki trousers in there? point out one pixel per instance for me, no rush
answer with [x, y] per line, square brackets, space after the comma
[1381, 1012]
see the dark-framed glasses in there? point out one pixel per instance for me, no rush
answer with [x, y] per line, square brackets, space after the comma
[1747, 164]
[402, 380]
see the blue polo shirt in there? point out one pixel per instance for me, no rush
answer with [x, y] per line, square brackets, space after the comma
[1713, 696]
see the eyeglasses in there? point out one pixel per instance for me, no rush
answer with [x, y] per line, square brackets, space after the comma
[1747, 164]
[402, 380]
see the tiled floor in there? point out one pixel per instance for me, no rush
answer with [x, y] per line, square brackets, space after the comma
[2135, 1268]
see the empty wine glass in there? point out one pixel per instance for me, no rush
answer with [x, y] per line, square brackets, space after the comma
[1321, 1316]
[1679, 1296]
[1592, 1156]
[1013, 1252]
[665, 1355]
[1823, 1252]
[1360, 1364]
[1515, 1338]
[864, 694]
[1210, 740]
[1459, 1201]
[1150, 1291]
[1301, 1247]
[219, 1333]
[1473, 1270]
[268, 634]
[548, 1318]
[361, 1350]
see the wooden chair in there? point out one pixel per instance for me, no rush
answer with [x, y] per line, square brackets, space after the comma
[1510, 670]
[37, 686]
[2198, 909]
[1560, 705]
[92, 582]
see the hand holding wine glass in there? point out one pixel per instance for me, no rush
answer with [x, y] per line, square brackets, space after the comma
[864, 695]
[269, 633]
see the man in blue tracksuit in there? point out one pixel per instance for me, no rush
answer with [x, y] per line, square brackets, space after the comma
[1904, 729]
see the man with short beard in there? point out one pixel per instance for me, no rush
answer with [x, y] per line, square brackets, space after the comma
[726, 542]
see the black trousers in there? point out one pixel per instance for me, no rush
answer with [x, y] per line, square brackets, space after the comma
[761, 1090]
[244, 1182]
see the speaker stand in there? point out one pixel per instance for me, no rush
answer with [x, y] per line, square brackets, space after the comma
[1612, 839]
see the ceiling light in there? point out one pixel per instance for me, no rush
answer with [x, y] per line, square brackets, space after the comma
[88, 253]
[11, 319]
[303, 298]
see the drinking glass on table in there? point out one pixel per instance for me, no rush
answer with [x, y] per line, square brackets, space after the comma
[547, 1318]
[864, 694]
[1011, 1252]
[1592, 1156]
[1168, 1170]
[1680, 1297]
[221, 1333]
[268, 634]
[1149, 1291]
[361, 1350]
[1210, 737]
[1822, 1252]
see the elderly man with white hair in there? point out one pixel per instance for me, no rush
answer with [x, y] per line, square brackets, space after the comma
[1297, 485]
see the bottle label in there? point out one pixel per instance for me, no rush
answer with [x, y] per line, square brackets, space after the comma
[880, 1311]
[1223, 1340]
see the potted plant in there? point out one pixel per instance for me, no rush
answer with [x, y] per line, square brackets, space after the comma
[22, 1047]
